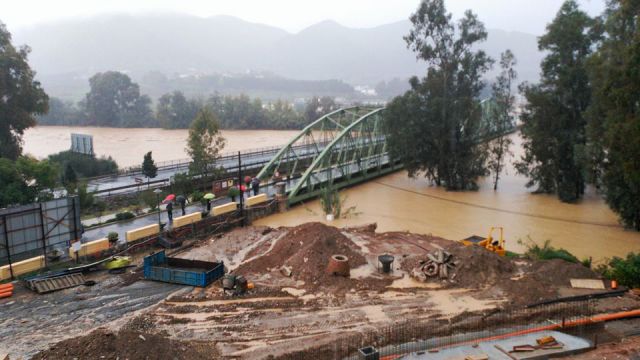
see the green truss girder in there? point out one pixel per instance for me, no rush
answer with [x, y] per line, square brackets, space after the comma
[344, 147]
[312, 139]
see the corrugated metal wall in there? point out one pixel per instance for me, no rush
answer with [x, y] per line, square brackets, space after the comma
[38, 228]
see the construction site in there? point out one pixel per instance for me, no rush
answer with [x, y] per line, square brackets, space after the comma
[318, 292]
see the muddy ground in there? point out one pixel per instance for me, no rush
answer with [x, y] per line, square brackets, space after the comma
[283, 313]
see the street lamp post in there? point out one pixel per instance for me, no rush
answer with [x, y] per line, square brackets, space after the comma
[158, 192]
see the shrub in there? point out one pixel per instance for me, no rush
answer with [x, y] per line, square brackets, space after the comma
[126, 215]
[547, 252]
[330, 201]
[197, 196]
[150, 199]
[182, 184]
[233, 192]
[85, 165]
[113, 237]
[625, 271]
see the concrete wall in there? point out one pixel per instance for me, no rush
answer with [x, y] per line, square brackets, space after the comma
[142, 232]
[223, 209]
[90, 248]
[258, 199]
[187, 219]
[22, 267]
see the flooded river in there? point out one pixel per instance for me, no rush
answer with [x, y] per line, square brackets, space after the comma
[398, 203]
[128, 146]
[395, 202]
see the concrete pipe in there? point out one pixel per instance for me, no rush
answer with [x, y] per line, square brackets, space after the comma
[338, 265]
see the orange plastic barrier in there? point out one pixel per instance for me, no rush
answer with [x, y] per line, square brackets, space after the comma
[6, 294]
[5, 287]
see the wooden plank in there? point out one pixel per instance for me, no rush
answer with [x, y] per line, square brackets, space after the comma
[587, 284]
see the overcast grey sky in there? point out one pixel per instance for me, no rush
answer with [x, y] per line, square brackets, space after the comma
[293, 15]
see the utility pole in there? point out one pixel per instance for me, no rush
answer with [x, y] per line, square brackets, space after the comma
[242, 222]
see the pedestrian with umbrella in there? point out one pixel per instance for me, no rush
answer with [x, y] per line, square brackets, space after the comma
[209, 197]
[255, 185]
[183, 203]
[169, 201]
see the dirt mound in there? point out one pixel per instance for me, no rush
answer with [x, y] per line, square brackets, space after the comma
[522, 281]
[476, 267]
[558, 272]
[306, 249]
[132, 345]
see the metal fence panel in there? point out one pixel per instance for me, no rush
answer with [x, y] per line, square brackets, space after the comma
[35, 229]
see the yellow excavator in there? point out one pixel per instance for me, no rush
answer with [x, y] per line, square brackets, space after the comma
[489, 243]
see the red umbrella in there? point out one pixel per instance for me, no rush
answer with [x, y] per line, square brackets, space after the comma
[243, 188]
[169, 197]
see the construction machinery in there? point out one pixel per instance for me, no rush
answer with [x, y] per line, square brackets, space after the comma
[489, 243]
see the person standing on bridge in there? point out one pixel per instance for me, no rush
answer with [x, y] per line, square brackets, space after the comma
[170, 211]
[255, 185]
[182, 200]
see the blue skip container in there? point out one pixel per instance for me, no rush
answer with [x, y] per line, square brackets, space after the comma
[160, 267]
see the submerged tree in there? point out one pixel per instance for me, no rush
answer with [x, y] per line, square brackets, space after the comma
[204, 143]
[553, 130]
[434, 128]
[614, 114]
[21, 96]
[501, 115]
[115, 100]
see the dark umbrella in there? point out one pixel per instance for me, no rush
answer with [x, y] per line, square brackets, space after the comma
[181, 199]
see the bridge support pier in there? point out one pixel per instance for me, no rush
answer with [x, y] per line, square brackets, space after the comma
[281, 196]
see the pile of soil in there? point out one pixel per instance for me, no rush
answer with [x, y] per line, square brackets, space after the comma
[306, 249]
[522, 281]
[477, 268]
[126, 344]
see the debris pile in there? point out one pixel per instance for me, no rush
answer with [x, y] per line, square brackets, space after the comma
[439, 264]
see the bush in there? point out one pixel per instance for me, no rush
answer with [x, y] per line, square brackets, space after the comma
[85, 165]
[182, 184]
[197, 196]
[126, 215]
[625, 271]
[150, 199]
[330, 201]
[547, 252]
[233, 192]
[113, 237]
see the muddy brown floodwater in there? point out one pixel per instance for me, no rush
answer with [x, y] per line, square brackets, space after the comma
[398, 203]
[128, 146]
[395, 202]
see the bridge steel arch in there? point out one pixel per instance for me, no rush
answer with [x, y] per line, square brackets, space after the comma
[303, 148]
[355, 150]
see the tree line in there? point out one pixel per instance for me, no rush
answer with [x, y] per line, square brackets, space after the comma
[580, 122]
[114, 100]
